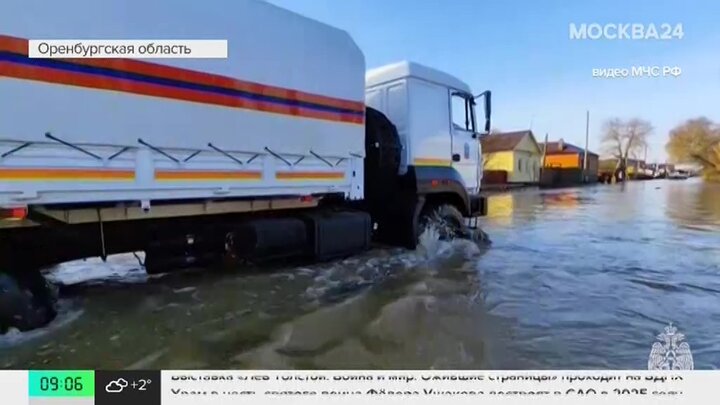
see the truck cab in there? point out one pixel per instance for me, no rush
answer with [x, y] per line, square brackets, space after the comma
[435, 117]
[421, 126]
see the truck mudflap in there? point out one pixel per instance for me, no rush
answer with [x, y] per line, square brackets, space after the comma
[478, 206]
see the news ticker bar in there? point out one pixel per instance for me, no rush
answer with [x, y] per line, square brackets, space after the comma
[178, 387]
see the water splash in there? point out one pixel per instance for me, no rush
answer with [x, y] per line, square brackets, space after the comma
[67, 314]
[390, 309]
[118, 268]
[430, 245]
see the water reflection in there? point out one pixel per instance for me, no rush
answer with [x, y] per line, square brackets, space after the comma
[509, 208]
[694, 204]
[501, 208]
[562, 199]
[603, 269]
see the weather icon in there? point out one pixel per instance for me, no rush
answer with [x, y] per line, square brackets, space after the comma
[116, 386]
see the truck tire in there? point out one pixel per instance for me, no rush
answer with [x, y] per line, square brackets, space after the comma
[383, 195]
[27, 302]
[446, 219]
[383, 154]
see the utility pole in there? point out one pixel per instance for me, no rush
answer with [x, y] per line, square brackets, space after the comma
[587, 141]
[542, 163]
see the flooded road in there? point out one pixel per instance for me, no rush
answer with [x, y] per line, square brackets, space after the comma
[575, 279]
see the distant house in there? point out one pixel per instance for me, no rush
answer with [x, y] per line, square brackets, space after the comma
[563, 155]
[664, 167]
[633, 166]
[511, 157]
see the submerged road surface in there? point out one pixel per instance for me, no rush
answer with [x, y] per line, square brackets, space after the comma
[575, 279]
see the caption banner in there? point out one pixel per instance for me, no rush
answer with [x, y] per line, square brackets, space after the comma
[136, 49]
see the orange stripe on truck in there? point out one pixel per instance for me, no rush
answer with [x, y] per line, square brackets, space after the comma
[299, 176]
[207, 175]
[431, 162]
[65, 174]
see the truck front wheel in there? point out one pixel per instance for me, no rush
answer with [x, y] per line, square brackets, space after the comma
[445, 219]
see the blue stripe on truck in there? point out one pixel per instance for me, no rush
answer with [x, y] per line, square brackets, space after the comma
[92, 70]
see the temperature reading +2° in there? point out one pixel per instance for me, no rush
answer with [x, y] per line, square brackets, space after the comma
[140, 385]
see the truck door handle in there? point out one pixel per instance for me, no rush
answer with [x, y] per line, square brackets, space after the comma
[456, 157]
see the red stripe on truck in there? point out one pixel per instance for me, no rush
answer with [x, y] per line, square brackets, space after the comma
[129, 86]
[354, 110]
[14, 45]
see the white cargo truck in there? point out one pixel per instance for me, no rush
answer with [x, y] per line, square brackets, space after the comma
[285, 148]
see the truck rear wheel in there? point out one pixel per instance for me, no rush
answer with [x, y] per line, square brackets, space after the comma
[27, 301]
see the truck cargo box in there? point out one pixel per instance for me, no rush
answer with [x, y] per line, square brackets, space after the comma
[282, 115]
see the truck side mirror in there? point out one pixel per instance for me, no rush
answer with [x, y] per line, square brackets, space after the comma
[487, 95]
[488, 110]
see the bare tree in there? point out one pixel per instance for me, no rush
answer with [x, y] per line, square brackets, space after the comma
[623, 139]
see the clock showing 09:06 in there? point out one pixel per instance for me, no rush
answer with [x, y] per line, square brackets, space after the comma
[62, 383]
[68, 384]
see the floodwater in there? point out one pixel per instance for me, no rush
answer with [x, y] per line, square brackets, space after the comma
[580, 278]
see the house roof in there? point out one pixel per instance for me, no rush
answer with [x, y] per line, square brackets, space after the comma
[554, 148]
[504, 141]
